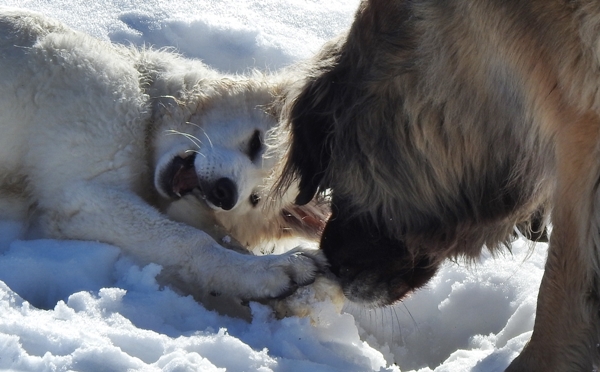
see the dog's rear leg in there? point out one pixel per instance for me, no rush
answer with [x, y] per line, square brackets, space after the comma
[565, 335]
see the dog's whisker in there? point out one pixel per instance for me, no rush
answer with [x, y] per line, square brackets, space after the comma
[207, 136]
[194, 124]
[190, 137]
[409, 314]
[203, 132]
[175, 99]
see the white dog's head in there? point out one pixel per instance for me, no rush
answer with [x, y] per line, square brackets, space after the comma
[212, 171]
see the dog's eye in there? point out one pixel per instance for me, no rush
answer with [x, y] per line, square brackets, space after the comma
[255, 145]
[254, 199]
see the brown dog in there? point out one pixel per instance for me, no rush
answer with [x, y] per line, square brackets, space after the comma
[438, 126]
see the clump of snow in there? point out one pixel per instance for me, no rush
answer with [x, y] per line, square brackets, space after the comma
[324, 296]
[84, 306]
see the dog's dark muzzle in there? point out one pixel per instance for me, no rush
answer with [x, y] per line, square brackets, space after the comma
[372, 268]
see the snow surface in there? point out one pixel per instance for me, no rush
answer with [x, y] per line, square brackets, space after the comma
[70, 305]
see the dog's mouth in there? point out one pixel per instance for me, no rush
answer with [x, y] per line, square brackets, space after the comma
[181, 178]
[303, 223]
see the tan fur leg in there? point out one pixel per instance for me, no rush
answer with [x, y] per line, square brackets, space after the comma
[565, 334]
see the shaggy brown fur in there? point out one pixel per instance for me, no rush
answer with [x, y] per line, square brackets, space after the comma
[437, 126]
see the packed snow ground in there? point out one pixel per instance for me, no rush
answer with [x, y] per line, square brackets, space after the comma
[70, 305]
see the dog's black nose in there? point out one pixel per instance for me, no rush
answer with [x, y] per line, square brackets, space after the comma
[223, 194]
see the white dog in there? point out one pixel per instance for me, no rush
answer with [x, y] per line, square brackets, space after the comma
[107, 143]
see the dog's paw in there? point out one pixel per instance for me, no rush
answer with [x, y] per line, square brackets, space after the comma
[284, 274]
[217, 272]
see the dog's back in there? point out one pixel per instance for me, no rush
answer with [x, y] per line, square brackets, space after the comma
[20, 31]
[51, 73]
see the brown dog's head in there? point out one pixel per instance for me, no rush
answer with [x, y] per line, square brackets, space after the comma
[369, 255]
[335, 147]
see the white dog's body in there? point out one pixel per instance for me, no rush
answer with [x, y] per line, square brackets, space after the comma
[101, 142]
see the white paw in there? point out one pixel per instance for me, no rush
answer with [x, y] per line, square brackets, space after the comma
[283, 274]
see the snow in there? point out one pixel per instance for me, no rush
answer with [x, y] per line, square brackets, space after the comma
[71, 305]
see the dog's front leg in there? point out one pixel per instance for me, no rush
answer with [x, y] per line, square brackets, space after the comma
[190, 257]
[565, 335]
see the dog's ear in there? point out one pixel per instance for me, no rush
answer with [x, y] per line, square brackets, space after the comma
[313, 116]
[310, 151]
[311, 111]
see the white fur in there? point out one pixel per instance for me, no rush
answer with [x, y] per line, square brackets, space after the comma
[87, 127]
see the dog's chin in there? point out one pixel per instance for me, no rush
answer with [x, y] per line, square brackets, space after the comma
[384, 286]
